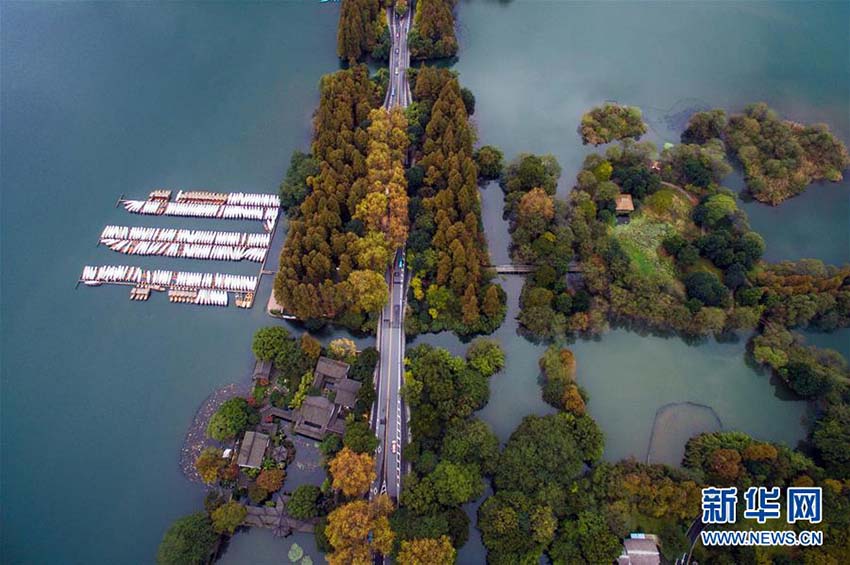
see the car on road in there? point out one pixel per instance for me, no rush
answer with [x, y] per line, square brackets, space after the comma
[396, 70]
[395, 446]
[396, 50]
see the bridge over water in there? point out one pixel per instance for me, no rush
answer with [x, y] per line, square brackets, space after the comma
[525, 268]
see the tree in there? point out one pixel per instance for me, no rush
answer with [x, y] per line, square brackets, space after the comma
[294, 188]
[352, 472]
[455, 484]
[831, 437]
[490, 162]
[208, 464]
[359, 528]
[303, 504]
[704, 126]
[608, 122]
[707, 288]
[568, 441]
[725, 464]
[271, 479]
[492, 304]
[227, 517]
[357, 31]
[369, 290]
[471, 441]
[189, 540]
[342, 349]
[311, 346]
[364, 365]
[427, 551]
[515, 528]
[257, 494]
[485, 356]
[229, 420]
[587, 540]
[359, 437]
[535, 204]
[268, 342]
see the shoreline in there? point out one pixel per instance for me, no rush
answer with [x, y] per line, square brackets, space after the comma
[196, 438]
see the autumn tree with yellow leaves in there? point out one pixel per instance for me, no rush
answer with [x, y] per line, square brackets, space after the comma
[352, 472]
[358, 529]
[427, 551]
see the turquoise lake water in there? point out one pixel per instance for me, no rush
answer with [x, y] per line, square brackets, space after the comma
[100, 99]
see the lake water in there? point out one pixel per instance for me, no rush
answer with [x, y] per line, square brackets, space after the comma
[101, 99]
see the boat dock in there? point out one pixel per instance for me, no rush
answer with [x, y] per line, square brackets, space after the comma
[203, 204]
[210, 289]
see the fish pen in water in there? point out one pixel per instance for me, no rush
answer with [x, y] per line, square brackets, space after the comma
[204, 204]
[674, 425]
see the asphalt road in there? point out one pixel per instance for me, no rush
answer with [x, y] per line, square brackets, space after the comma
[398, 93]
[389, 414]
[389, 408]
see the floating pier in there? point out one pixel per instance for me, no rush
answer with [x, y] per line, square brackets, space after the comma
[204, 204]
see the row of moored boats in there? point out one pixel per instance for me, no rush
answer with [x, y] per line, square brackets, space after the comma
[265, 214]
[173, 279]
[211, 297]
[186, 236]
[187, 250]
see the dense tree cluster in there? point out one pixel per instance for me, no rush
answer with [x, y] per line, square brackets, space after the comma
[803, 293]
[295, 187]
[341, 239]
[490, 162]
[534, 483]
[780, 158]
[450, 452]
[611, 122]
[735, 459]
[695, 166]
[433, 32]
[362, 30]
[558, 366]
[447, 250]
[188, 541]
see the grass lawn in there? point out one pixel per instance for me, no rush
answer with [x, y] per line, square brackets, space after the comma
[641, 239]
[671, 207]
